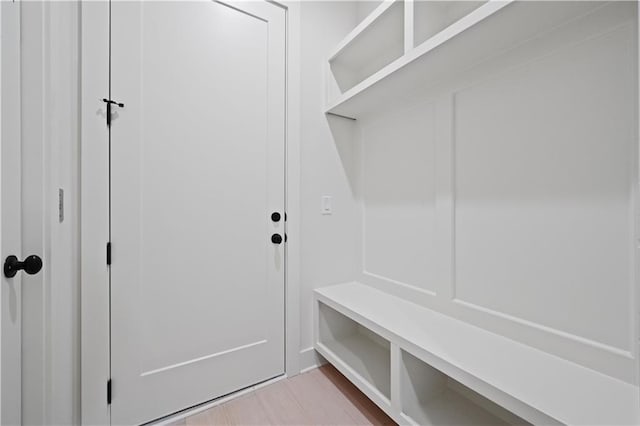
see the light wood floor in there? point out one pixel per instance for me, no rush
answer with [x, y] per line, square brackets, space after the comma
[319, 397]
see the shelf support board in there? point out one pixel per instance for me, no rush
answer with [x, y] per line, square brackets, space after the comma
[408, 25]
[341, 116]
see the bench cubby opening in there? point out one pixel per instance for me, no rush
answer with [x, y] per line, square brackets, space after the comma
[430, 397]
[356, 348]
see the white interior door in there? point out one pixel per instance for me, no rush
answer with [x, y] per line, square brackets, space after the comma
[10, 211]
[197, 169]
[24, 304]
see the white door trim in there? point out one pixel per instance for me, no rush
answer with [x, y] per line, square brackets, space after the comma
[94, 209]
[1, 251]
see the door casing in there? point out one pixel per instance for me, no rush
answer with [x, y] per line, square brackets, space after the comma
[94, 208]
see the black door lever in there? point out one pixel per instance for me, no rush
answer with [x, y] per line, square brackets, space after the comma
[31, 265]
[109, 102]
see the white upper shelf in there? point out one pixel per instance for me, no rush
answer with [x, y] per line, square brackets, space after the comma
[489, 30]
[372, 45]
[366, 25]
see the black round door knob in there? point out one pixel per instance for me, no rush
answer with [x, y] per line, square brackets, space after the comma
[275, 216]
[276, 239]
[31, 265]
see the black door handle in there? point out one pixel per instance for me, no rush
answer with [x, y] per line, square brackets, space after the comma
[31, 265]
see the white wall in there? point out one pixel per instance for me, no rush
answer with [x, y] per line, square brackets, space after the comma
[329, 244]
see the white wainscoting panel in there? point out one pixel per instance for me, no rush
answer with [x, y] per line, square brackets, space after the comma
[543, 159]
[399, 196]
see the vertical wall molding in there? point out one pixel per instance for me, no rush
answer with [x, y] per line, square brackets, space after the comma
[445, 197]
[292, 182]
[636, 219]
[408, 25]
[395, 391]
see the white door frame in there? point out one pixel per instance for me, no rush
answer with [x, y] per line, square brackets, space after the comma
[94, 208]
[1, 251]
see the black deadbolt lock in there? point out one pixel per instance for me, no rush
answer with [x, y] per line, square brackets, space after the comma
[31, 265]
[275, 216]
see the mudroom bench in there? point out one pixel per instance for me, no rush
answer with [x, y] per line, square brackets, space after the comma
[423, 367]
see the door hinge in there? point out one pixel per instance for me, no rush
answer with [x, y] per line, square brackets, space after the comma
[109, 391]
[109, 253]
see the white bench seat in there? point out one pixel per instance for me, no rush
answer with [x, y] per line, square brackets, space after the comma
[535, 385]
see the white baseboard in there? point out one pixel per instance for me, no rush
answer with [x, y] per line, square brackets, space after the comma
[310, 359]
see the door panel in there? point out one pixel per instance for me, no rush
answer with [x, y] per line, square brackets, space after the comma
[36, 138]
[10, 212]
[197, 167]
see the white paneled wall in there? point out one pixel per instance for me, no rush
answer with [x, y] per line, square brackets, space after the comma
[503, 195]
[544, 160]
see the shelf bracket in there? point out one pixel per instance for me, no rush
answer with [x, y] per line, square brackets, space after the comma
[341, 116]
